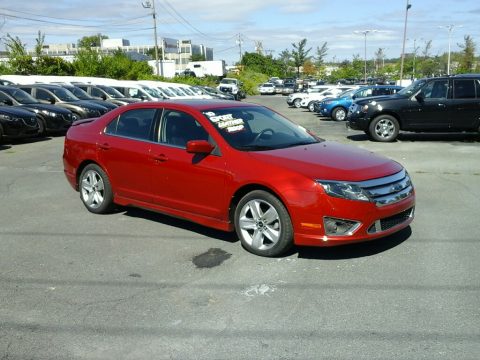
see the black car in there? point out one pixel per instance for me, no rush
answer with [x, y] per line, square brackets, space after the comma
[16, 123]
[54, 94]
[51, 118]
[442, 104]
[107, 93]
[82, 95]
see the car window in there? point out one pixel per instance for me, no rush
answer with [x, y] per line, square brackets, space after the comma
[96, 92]
[136, 124]
[27, 90]
[178, 128]
[436, 89]
[43, 95]
[363, 93]
[3, 97]
[464, 89]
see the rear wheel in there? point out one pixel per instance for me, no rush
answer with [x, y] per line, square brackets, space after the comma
[95, 190]
[339, 114]
[384, 128]
[263, 224]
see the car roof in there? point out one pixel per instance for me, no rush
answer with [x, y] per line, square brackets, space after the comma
[198, 104]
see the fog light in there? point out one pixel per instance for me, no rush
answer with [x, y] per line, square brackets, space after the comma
[340, 227]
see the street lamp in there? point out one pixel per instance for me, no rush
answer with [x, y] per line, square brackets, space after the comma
[450, 29]
[404, 38]
[151, 5]
[365, 32]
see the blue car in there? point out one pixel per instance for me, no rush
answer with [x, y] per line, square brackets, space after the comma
[337, 108]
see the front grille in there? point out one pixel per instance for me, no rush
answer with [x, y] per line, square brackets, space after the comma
[352, 109]
[225, 89]
[390, 222]
[388, 190]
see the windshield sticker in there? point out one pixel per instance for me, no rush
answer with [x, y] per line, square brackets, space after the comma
[226, 122]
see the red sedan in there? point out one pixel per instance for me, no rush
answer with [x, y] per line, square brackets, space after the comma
[237, 166]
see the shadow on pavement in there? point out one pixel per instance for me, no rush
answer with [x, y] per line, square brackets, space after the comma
[412, 137]
[180, 223]
[357, 250]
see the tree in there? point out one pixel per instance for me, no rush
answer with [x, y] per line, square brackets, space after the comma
[309, 68]
[299, 54]
[87, 42]
[321, 54]
[285, 59]
[20, 62]
[467, 58]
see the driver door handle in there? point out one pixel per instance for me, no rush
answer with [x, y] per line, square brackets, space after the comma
[160, 158]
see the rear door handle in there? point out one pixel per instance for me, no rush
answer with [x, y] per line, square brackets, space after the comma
[442, 105]
[160, 158]
[104, 146]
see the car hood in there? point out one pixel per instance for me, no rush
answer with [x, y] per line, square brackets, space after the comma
[330, 161]
[51, 108]
[16, 111]
[88, 104]
[369, 100]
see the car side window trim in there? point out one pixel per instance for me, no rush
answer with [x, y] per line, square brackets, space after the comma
[113, 129]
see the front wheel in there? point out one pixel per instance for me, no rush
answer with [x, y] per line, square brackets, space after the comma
[95, 190]
[297, 103]
[339, 114]
[384, 128]
[263, 224]
[311, 106]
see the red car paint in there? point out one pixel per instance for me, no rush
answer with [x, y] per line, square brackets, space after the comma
[170, 180]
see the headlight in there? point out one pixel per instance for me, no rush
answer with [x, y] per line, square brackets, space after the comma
[6, 117]
[364, 108]
[344, 190]
[49, 113]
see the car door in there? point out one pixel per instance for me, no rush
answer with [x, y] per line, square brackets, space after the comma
[124, 151]
[465, 104]
[429, 108]
[182, 181]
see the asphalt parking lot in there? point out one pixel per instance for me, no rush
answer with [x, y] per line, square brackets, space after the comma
[139, 285]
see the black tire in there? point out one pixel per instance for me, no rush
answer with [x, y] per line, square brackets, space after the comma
[311, 106]
[95, 190]
[42, 132]
[1, 134]
[266, 231]
[384, 128]
[339, 114]
[297, 102]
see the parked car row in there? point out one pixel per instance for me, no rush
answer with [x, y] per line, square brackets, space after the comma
[55, 102]
[441, 104]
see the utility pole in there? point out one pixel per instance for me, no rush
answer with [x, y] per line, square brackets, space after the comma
[450, 29]
[404, 38]
[240, 42]
[151, 5]
[365, 32]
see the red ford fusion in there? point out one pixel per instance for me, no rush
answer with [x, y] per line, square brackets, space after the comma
[237, 167]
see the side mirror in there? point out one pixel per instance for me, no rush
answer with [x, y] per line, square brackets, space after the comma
[104, 97]
[199, 147]
[51, 100]
[8, 102]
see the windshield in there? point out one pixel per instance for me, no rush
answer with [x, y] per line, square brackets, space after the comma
[348, 93]
[258, 128]
[412, 88]
[151, 91]
[167, 91]
[64, 94]
[114, 93]
[228, 81]
[22, 96]
[176, 91]
[188, 91]
[79, 93]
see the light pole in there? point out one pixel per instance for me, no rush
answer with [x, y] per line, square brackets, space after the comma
[365, 32]
[404, 38]
[151, 5]
[450, 29]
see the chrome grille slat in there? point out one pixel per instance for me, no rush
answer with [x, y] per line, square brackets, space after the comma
[388, 190]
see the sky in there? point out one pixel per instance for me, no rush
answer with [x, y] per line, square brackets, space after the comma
[277, 24]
